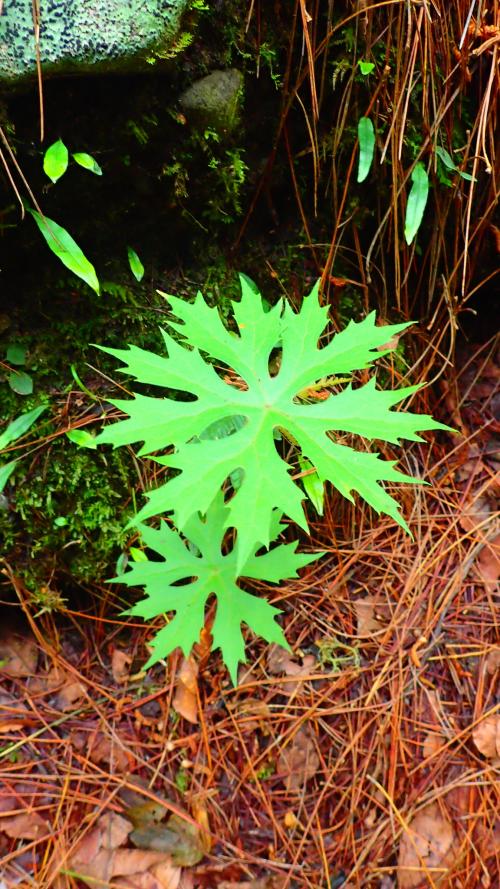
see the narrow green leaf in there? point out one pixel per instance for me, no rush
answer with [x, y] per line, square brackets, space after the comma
[313, 486]
[5, 473]
[87, 162]
[20, 382]
[135, 263]
[138, 555]
[417, 200]
[447, 161]
[55, 160]
[446, 158]
[82, 438]
[19, 426]
[16, 354]
[62, 244]
[121, 563]
[366, 138]
[366, 67]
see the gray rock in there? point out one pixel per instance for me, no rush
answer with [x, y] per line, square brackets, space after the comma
[80, 36]
[214, 101]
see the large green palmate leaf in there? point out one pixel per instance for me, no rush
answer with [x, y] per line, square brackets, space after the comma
[269, 403]
[204, 571]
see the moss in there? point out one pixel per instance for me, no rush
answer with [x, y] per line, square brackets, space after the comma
[66, 513]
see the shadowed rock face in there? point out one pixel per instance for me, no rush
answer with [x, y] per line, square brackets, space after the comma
[85, 35]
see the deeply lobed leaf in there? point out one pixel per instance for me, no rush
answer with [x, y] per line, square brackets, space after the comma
[203, 573]
[265, 403]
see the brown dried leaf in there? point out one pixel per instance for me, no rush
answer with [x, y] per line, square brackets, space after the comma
[167, 874]
[132, 861]
[252, 707]
[200, 815]
[100, 857]
[433, 742]
[103, 749]
[185, 700]
[25, 826]
[279, 661]
[298, 761]
[430, 844]
[391, 343]
[486, 736]
[276, 881]
[8, 726]
[69, 690]
[18, 655]
[87, 848]
[114, 830]
[367, 623]
[488, 563]
[120, 665]
[493, 661]
[161, 876]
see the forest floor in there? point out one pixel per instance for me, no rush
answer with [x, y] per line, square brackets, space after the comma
[367, 758]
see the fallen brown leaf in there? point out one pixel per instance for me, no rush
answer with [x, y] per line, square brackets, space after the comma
[367, 623]
[486, 736]
[25, 826]
[433, 742]
[493, 661]
[474, 513]
[114, 830]
[167, 874]
[256, 710]
[429, 844]
[185, 701]
[120, 665]
[488, 563]
[279, 661]
[200, 815]
[18, 655]
[100, 857]
[101, 749]
[271, 882]
[68, 690]
[298, 762]
[391, 343]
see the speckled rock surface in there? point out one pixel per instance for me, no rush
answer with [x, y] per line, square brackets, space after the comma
[215, 100]
[85, 35]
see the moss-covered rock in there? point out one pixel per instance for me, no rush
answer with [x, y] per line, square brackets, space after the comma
[214, 101]
[77, 36]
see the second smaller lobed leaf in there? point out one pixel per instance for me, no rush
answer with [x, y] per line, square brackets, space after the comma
[186, 576]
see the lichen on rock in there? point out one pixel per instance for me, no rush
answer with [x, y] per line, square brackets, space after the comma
[79, 36]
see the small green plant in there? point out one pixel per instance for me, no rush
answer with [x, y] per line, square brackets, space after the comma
[238, 427]
[15, 430]
[55, 164]
[417, 198]
[56, 160]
